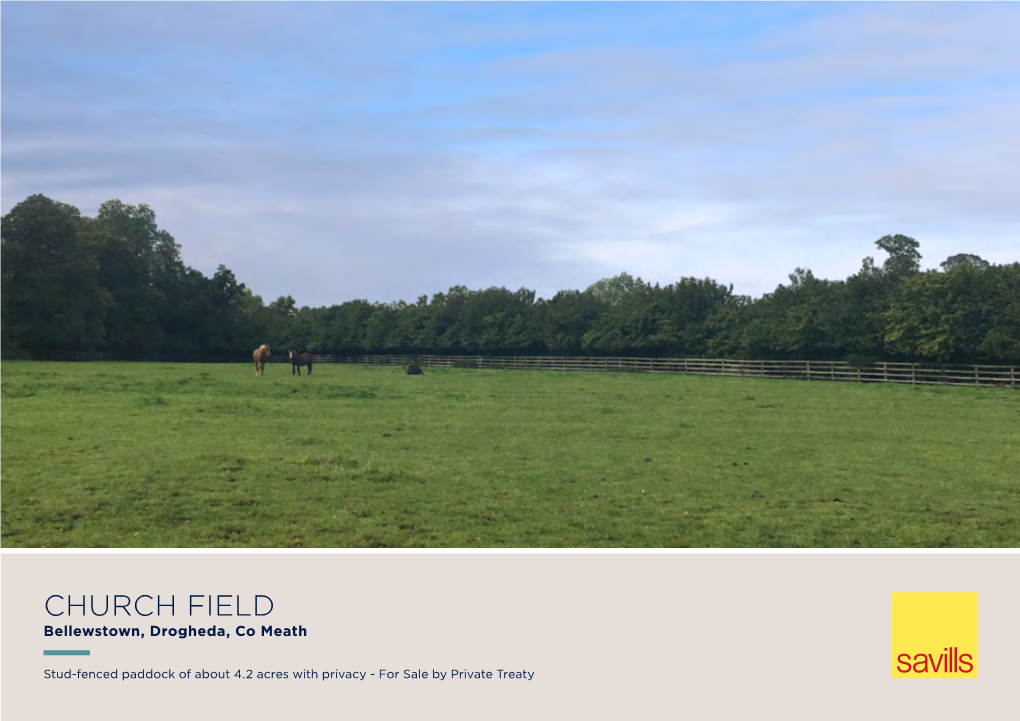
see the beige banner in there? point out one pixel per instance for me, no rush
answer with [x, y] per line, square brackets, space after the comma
[587, 636]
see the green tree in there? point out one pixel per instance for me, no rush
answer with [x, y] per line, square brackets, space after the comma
[412, 329]
[964, 259]
[904, 256]
[630, 318]
[1002, 342]
[381, 330]
[687, 306]
[728, 328]
[341, 328]
[117, 282]
[612, 291]
[50, 297]
[562, 322]
[867, 300]
[140, 268]
[941, 316]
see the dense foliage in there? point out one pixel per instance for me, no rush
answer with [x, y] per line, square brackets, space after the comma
[116, 283]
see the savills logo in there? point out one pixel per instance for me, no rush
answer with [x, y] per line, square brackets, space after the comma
[934, 635]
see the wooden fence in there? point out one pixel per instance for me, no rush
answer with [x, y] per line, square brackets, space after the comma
[916, 373]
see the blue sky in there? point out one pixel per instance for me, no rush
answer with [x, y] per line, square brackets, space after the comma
[388, 150]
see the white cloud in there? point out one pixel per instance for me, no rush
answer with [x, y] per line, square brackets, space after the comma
[549, 168]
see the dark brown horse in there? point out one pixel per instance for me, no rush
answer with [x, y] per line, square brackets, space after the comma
[304, 358]
[260, 356]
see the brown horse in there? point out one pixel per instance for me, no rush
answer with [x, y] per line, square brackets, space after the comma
[260, 356]
[300, 359]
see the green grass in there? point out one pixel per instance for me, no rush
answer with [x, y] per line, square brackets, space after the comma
[177, 455]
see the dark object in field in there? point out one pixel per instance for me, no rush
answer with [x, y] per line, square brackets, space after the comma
[260, 356]
[298, 359]
[415, 370]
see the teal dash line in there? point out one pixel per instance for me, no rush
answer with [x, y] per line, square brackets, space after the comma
[65, 653]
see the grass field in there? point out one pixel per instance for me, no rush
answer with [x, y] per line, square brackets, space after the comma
[178, 455]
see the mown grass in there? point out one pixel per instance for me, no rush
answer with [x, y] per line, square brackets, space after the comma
[177, 455]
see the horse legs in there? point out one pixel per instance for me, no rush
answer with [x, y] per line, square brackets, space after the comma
[309, 367]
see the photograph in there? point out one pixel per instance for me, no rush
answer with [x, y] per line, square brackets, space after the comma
[314, 275]
[431, 314]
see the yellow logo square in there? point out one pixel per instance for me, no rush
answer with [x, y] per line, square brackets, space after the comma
[934, 635]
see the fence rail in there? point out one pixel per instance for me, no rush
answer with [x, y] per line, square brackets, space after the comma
[914, 373]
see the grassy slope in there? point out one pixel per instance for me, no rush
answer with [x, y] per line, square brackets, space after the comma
[147, 455]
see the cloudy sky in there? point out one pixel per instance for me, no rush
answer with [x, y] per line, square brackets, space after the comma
[385, 151]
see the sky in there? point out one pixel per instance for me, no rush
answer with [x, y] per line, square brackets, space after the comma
[386, 151]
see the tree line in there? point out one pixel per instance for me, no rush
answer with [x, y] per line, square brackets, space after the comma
[116, 284]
